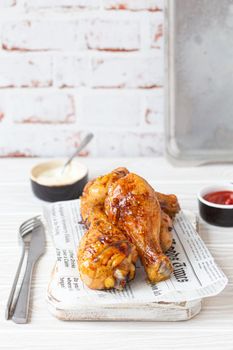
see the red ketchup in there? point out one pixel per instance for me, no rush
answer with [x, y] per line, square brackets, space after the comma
[221, 197]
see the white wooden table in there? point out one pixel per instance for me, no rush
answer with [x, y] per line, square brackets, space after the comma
[211, 329]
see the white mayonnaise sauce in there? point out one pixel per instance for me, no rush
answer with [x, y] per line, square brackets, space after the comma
[56, 176]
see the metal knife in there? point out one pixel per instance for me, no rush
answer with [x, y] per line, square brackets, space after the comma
[36, 249]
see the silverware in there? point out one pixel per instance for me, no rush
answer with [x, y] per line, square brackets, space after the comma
[36, 249]
[24, 231]
[83, 143]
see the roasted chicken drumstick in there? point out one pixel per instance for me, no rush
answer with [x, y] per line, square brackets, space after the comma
[132, 205]
[106, 256]
[123, 216]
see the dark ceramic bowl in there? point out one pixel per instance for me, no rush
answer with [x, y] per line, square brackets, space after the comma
[56, 189]
[215, 214]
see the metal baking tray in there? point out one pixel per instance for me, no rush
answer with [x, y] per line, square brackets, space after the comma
[199, 81]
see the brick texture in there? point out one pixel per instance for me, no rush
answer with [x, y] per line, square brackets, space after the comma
[43, 35]
[111, 109]
[72, 4]
[2, 112]
[134, 5]
[128, 72]
[113, 35]
[142, 144]
[41, 107]
[42, 140]
[154, 109]
[70, 71]
[72, 66]
[132, 144]
[18, 70]
[156, 31]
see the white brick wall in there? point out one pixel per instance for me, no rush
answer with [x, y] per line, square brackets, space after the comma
[111, 109]
[19, 70]
[134, 5]
[128, 72]
[154, 109]
[72, 71]
[69, 66]
[44, 35]
[113, 35]
[80, 4]
[41, 107]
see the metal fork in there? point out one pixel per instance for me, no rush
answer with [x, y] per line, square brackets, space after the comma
[24, 230]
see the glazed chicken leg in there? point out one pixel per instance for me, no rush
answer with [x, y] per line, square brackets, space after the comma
[123, 217]
[106, 257]
[95, 193]
[132, 205]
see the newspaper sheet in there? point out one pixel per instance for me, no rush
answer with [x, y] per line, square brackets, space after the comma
[195, 275]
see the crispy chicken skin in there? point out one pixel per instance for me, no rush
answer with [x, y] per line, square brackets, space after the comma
[169, 203]
[169, 208]
[123, 217]
[95, 192]
[106, 257]
[165, 231]
[132, 205]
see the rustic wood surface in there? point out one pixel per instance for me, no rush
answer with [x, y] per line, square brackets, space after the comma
[211, 329]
